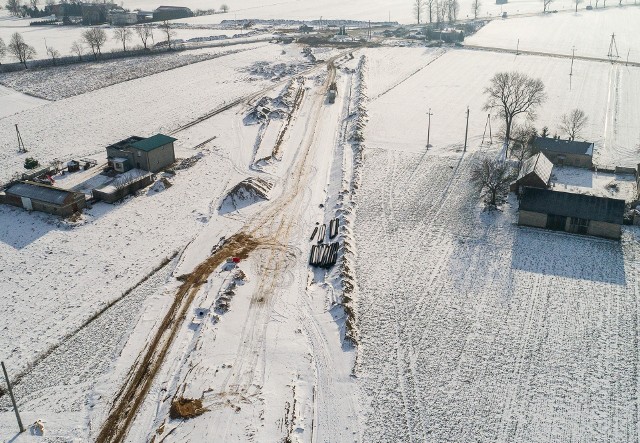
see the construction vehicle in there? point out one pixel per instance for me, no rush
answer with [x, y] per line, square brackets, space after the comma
[333, 92]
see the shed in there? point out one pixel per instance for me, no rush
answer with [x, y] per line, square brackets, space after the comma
[535, 172]
[44, 198]
[566, 152]
[575, 213]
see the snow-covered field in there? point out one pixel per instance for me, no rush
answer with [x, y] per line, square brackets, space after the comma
[473, 329]
[469, 327]
[14, 101]
[449, 83]
[589, 32]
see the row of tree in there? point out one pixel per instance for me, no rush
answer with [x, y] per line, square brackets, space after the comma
[93, 39]
[440, 10]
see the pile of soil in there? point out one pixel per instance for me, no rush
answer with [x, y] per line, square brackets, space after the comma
[186, 408]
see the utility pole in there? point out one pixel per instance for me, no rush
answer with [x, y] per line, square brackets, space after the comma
[487, 124]
[21, 147]
[613, 47]
[13, 399]
[627, 64]
[518, 48]
[466, 132]
[573, 54]
[429, 128]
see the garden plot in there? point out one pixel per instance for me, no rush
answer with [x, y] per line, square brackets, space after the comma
[588, 31]
[473, 329]
[398, 118]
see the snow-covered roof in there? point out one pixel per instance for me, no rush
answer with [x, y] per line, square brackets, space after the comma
[609, 210]
[39, 192]
[540, 165]
[564, 146]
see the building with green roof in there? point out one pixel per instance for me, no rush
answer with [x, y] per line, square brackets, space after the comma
[149, 154]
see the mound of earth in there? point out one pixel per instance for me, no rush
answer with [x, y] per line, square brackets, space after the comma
[249, 191]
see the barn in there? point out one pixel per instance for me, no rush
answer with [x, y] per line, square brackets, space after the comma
[39, 197]
[535, 173]
[566, 152]
[575, 213]
[150, 154]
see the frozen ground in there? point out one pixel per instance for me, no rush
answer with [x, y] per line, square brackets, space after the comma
[449, 83]
[14, 102]
[589, 32]
[542, 348]
[56, 83]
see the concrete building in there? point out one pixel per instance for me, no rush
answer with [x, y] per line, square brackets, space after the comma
[171, 13]
[575, 213]
[38, 197]
[150, 154]
[535, 173]
[566, 152]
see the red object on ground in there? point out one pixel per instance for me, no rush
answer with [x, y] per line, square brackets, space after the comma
[236, 259]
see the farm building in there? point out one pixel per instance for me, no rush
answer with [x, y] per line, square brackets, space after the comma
[150, 154]
[575, 213]
[535, 173]
[39, 197]
[171, 13]
[566, 152]
[122, 18]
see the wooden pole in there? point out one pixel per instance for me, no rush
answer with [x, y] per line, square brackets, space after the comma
[13, 399]
[466, 132]
[429, 127]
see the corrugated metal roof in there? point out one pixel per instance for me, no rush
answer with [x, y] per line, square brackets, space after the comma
[589, 207]
[564, 146]
[540, 165]
[151, 143]
[43, 193]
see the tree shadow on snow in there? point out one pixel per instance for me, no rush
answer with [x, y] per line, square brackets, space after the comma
[567, 255]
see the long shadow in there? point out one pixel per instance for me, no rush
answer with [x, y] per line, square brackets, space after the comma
[19, 228]
[567, 255]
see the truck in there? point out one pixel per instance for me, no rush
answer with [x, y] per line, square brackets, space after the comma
[333, 92]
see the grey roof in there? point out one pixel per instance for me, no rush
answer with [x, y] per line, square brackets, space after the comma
[43, 193]
[564, 146]
[589, 207]
[538, 164]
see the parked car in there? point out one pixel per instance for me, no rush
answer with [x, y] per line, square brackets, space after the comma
[589, 8]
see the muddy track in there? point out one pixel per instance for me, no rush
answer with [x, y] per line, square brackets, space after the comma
[256, 234]
[130, 397]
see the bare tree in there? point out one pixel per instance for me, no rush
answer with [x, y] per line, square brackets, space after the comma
[441, 10]
[523, 137]
[20, 49]
[418, 8]
[514, 93]
[493, 177]
[577, 2]
[95, 38]
[168, 31]
[573, 123]
[431, 5]
[13, 6]
[77, 49]
[3, 49]
[475, 7]
[224, 8]
[144, 31]
[545, 4]
[34, 3]
[123, 35]
[453, 6]
[53, 53]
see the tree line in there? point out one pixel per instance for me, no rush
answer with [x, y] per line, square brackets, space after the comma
[92, 41]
